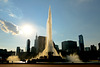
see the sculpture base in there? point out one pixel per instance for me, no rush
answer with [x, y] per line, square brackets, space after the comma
[49, 58]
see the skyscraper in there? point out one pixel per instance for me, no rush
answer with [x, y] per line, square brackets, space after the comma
[36, 44]
[17, 50]
[33, 50]
[41, 43]
[93, 48]
[87, 49]
[28, 45]
[99, 46]
[69, 46]
[56, 47]
[81, 43]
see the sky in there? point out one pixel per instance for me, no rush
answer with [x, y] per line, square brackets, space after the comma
[70, 18]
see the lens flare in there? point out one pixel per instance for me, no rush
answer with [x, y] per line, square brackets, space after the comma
[27, 29]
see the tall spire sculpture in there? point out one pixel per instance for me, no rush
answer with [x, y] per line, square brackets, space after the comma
[49, 43]
[49, 25]
[49, 31]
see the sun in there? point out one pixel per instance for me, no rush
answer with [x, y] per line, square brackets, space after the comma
[27, 29]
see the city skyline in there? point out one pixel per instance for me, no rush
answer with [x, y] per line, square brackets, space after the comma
[69, 19]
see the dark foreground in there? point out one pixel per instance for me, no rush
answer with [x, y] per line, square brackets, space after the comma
[49, 65]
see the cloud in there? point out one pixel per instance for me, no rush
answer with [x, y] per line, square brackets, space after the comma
[12, 15]
[9, 11]
[9, 27]
[4, 1]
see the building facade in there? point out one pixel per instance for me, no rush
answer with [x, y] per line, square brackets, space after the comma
[93, 48]
[28, 45]
[40, 42]
[98, 46]
[36, 44]
[69, 46]
[17, 50]
[87, 49]
[81, 43]
[33, 50]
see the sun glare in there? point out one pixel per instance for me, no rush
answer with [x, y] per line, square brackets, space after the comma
[27, 29]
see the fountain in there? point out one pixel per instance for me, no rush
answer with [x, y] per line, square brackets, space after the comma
[13, 59]
[49, 54]
[49, 43]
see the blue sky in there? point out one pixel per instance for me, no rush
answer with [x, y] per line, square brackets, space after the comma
[70, 18]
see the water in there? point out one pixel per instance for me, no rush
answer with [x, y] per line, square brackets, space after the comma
[49, 42]
[49, 46]
[74, 58]
[13, 58]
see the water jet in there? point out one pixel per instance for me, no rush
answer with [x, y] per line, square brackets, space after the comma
[49, 54]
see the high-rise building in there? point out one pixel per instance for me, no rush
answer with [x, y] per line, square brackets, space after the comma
[36, 44]
[93, 48]
[99, 46]
[69, 46]
[87, 48]
[81, 43]
[28, 45]
[56, 47]
[17, 50]
[41, 43]
[21, 50]
[33, 50]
